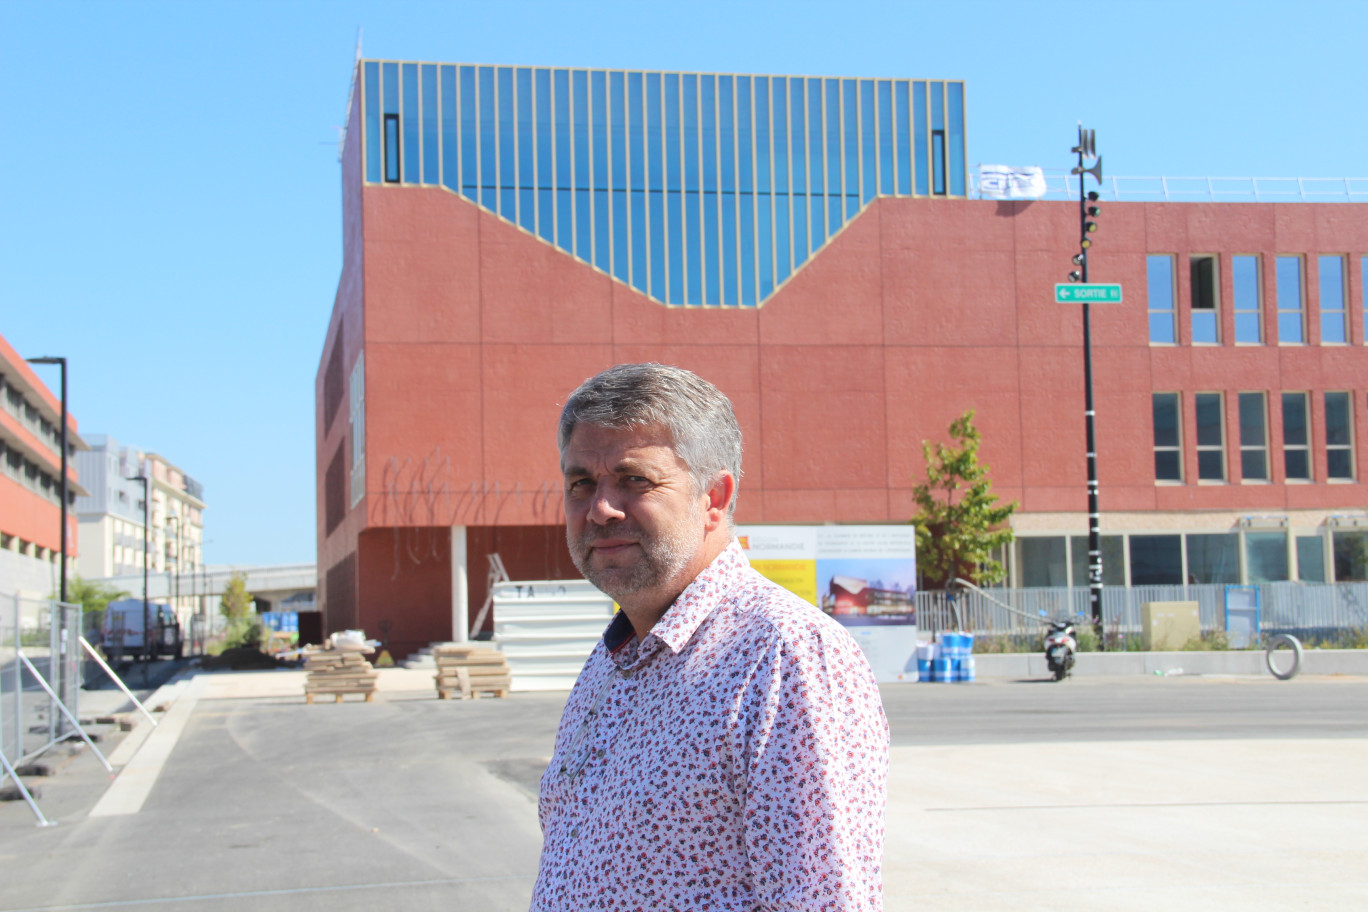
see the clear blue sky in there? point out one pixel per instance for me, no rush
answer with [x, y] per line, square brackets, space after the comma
[170, 213]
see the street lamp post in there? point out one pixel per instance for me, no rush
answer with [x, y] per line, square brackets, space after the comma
[147, 497]
[62, 362]
[1087, 210]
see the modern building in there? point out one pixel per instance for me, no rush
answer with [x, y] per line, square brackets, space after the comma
[112, 512]
[810, 246]
[30, 481]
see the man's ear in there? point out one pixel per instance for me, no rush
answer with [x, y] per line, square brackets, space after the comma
[719, 500]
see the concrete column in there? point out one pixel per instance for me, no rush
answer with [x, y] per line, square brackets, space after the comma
[460, 586]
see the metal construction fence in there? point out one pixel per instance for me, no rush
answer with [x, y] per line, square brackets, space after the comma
[1299, 608]
[40, 651]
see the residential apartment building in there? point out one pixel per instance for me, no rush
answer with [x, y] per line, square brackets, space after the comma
[30, 481]
[111, 517]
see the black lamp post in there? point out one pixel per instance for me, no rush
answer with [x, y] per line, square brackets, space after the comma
[147, 634]
[62, 362]
[1087, 211]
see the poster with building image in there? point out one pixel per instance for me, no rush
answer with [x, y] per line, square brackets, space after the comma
[864, 577]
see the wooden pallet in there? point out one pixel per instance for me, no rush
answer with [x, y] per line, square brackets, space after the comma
[336, 672]
[468, 672]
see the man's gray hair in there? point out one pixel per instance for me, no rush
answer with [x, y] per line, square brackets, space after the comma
[698, 416]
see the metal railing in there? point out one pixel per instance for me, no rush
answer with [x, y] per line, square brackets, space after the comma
[1299, 608]
[1060, 185]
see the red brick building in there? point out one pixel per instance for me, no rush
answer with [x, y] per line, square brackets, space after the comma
[457, 331]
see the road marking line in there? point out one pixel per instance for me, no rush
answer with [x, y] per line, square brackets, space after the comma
[134, 782]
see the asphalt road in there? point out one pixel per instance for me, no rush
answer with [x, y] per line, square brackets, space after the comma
[410, 802]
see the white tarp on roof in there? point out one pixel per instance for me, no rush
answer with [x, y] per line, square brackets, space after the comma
[1007, 183]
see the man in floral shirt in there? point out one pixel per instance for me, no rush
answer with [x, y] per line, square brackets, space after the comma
[725, 747]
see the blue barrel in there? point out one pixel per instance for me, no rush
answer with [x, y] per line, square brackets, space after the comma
[941, 670]
[966, 670]
[924, 670]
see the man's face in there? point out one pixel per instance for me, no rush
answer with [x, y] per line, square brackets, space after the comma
[634, 525]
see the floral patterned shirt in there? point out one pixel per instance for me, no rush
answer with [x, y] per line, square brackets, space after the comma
[734, 759]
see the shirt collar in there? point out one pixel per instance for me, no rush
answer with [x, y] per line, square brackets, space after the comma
[703, 595]
[693, 606]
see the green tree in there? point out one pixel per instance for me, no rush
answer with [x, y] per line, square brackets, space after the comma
[244, 629]
[93, 597]
[959, 521]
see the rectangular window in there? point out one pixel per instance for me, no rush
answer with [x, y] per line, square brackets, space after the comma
[392, 148]
[1333, 308]
[1351, 556]
[1210, 437]
[1206, 294]
[1159, 279]
[1253, 437]
[1213, 559]
[1266, 557]
[1113, 560]
[1168, 460]
[357, 412]
[1296, 437]
[1291, 326]
[938, 186]
[1041, 562]
[1339, 437]
[1311, 558]
[1248, 324]
[1156, 560]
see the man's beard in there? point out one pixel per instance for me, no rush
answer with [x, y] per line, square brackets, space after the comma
[664, 554]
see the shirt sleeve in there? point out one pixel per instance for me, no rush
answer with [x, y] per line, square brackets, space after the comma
[813, 747]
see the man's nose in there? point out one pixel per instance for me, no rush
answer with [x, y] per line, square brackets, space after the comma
[606, 507]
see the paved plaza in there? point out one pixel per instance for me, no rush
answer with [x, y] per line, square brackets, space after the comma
[1118, 794]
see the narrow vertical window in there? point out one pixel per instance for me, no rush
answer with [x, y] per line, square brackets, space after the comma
[1296, 437]
[1339, 437]
[1159, 276]
[1333, 310]
[1253, 437]
[1291, 327]
[1205, 297]
[392, 148]
[1210, 438]
[1168, 460]
[938, 185]
[1248, 328]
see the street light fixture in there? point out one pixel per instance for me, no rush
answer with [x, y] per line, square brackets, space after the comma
[1087, 149]
[147, 498]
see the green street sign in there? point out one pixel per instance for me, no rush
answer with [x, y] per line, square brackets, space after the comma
[1091, 293]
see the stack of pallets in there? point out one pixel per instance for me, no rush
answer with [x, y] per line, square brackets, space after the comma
[468, 671]
[335, 672]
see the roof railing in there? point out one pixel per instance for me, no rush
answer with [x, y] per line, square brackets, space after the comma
[1061, 185]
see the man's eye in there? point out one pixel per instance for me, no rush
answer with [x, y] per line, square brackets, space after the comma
[637, 482]
[578, 486]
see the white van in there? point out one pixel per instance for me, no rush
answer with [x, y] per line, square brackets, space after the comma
[123, 629]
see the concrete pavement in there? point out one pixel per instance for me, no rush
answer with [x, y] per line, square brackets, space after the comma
[411, 801]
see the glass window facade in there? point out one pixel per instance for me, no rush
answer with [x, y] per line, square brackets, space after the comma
[1253, 437]
[1210, 437]
[1248, 321]
[1168, 453]
[695, 189]
[1334, 316]
[1339, 436]
[1296, 437]
[1206, 297]
[1291, 325]
[1159, 279]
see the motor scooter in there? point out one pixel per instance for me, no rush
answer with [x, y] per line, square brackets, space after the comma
[1060, 646]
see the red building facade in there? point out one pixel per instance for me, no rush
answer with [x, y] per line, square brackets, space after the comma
[456, 334]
